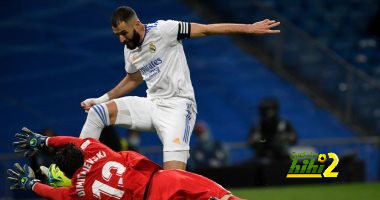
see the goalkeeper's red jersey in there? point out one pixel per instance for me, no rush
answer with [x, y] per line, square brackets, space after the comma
[106, 174]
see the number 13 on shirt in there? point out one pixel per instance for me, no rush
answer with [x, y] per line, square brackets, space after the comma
[102, 187]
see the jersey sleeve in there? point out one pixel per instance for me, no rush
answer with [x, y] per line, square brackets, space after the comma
[48, 192]
[60, 141]
[130, 68]
[174, 31]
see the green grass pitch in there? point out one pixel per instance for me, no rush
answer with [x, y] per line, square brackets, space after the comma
[343, 191]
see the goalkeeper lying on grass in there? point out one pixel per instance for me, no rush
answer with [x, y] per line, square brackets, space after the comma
[97, 172]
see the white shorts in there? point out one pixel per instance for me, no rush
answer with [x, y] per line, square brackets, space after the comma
[173, 119]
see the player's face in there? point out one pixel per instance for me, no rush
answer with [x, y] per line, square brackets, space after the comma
[127, 35]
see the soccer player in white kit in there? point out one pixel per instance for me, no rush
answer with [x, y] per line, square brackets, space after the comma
[154, 53]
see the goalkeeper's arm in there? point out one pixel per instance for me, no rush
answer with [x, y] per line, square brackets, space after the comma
[61, 141]
[48, 192]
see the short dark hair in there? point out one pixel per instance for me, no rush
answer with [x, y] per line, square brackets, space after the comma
[269, 106]
[69, 159]
[122, 14]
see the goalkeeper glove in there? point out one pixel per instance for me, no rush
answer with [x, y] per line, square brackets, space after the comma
[29, 142]
[23, 178]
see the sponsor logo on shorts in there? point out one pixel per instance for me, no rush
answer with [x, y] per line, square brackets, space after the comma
[176, 141]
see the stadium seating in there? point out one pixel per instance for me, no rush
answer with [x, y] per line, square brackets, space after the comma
[340, 26]
[61, 62]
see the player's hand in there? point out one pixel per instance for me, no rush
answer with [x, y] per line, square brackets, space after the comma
[264, 27]
[29, 142]
[23, 178]
[87, 104]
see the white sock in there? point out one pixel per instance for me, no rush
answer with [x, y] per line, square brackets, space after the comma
[97, 119]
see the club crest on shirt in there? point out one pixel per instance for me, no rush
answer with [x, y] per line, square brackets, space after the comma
[152, 47]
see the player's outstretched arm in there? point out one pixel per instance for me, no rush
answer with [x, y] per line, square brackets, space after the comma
[29, 142]
[24, 179]
[48, 192]
[61, 141]
[125, 86]
[258, 28]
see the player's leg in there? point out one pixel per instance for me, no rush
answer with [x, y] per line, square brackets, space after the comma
[128, 112]
[175, 159]
[174, 121]
[97, 119]
[225, 197]
[178, 184]
[230, 197]
[134, 113]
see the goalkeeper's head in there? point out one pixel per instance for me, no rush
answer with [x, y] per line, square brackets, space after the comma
[69, 159]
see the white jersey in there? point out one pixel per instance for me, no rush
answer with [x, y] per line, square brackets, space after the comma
[161, 60]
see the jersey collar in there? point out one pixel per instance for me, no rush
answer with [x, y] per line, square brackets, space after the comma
[145, 30]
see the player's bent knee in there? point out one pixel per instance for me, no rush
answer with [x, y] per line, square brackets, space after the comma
[98, 115]
[175, 165]
[97, 119]
[112, 111]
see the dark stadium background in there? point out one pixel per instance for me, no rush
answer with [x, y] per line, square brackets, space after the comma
[324, 69]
